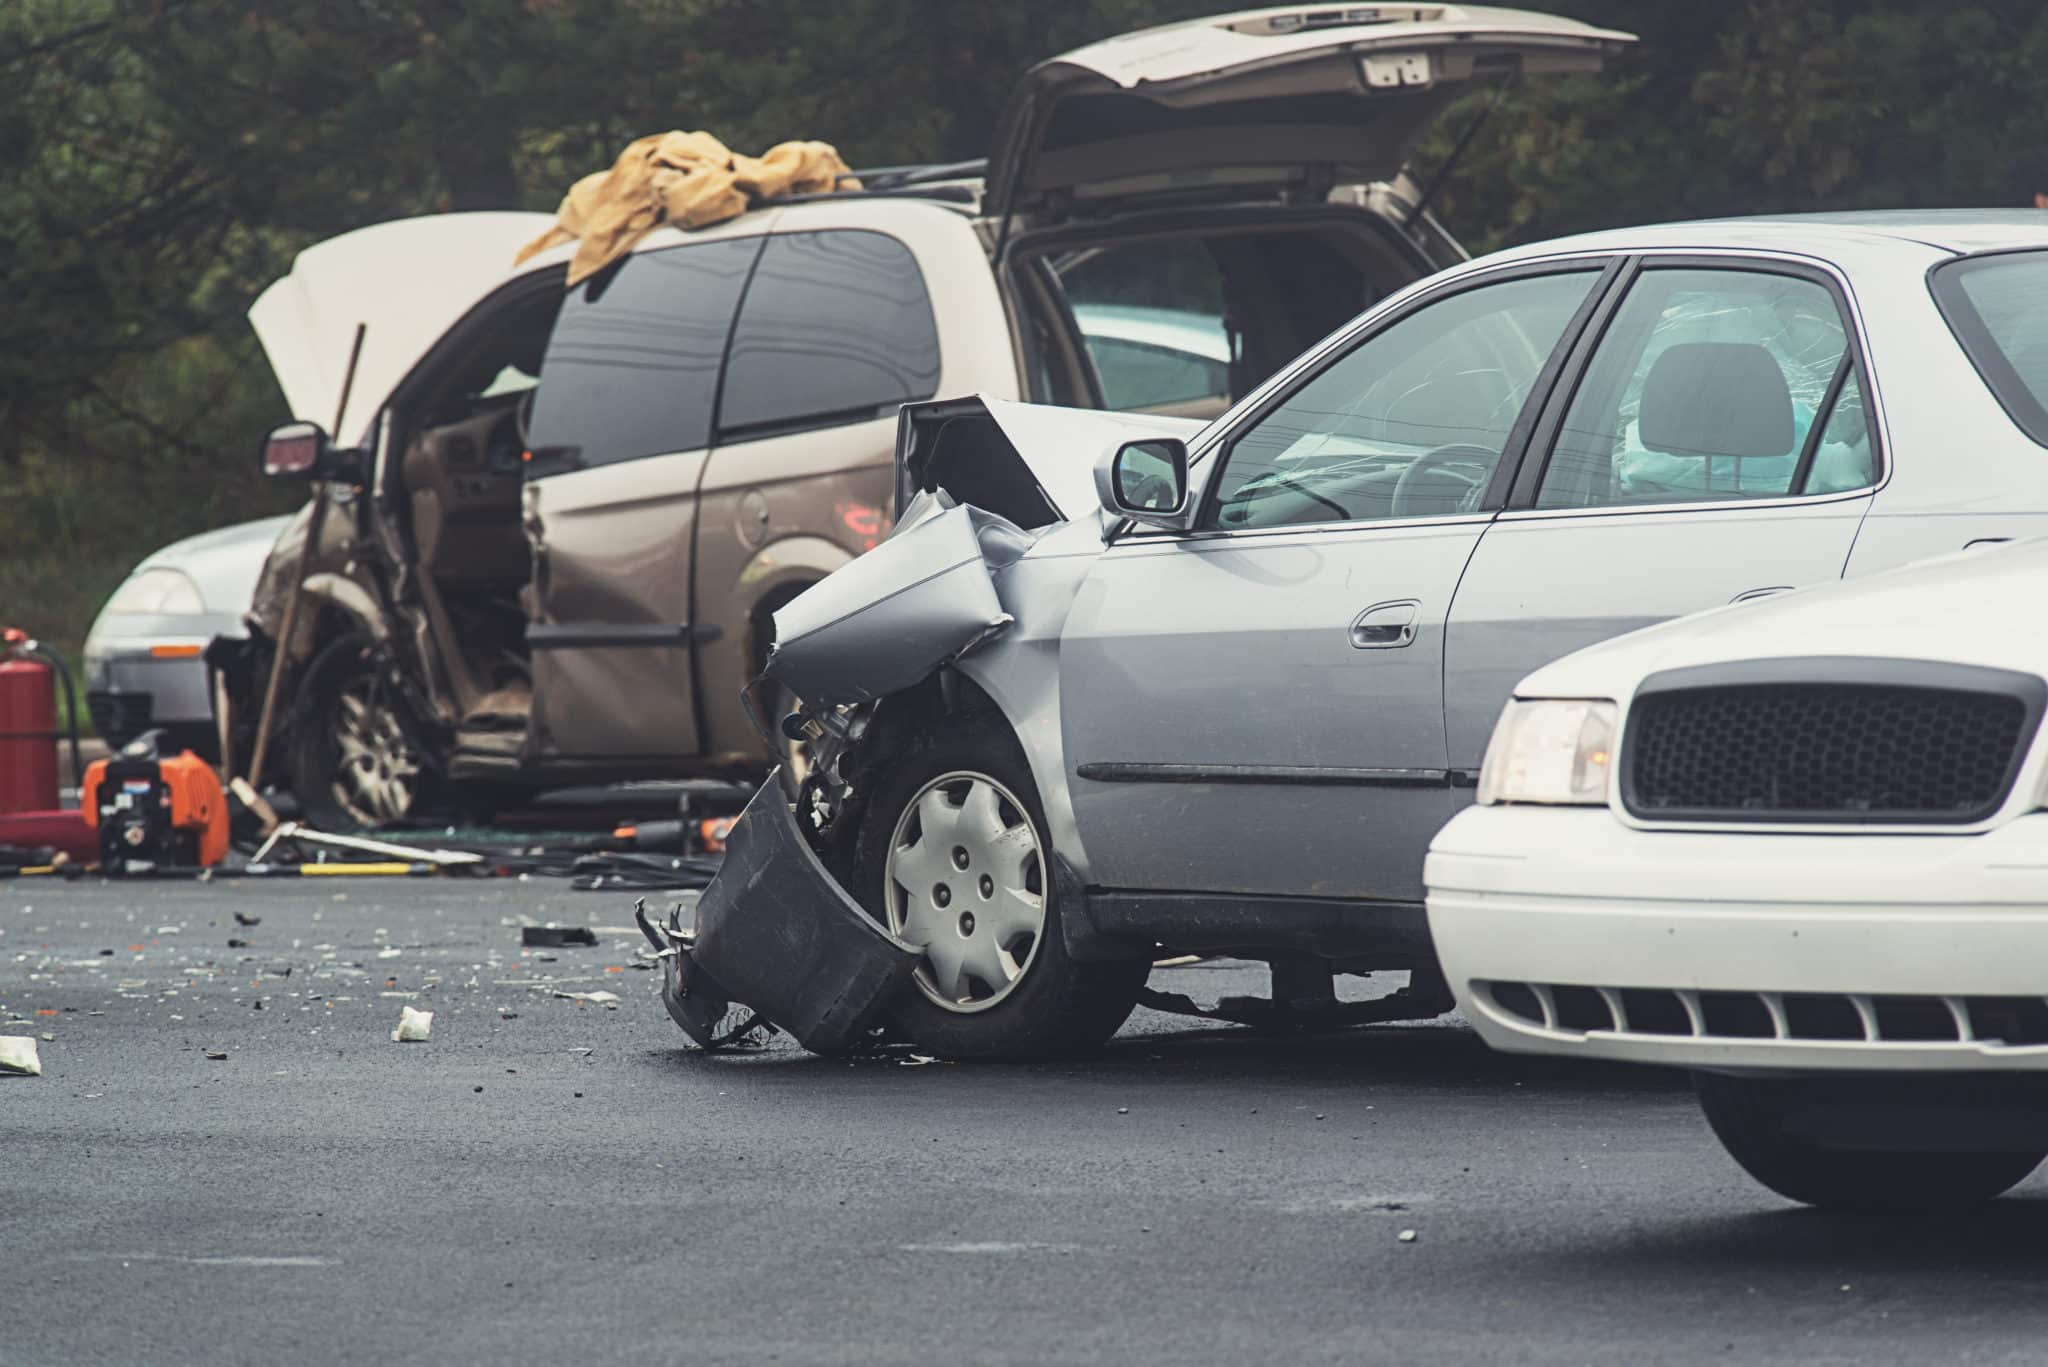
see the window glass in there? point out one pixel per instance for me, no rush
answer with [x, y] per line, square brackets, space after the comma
[1707, 385]
[1173, 367]
[1409, 423]
[1844, 459]
[1998, 308]
[1152, 318]
[632, 366]
[1237, 305]
[835, 325]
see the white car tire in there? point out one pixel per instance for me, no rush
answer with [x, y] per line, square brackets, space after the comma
[1752, 1118]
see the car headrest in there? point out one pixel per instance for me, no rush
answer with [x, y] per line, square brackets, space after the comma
[1716, 399]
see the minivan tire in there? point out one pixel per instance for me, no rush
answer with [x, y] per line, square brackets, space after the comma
[1750, 1117]
[1055, 1007]
[345, 690]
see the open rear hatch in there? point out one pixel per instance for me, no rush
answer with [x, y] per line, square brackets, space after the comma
[1229, 104]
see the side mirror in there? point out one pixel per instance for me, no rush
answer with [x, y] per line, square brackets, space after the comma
[301, 450]
[1146, 481]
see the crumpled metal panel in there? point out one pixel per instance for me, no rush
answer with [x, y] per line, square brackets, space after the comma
[887, 620]
[774, 932]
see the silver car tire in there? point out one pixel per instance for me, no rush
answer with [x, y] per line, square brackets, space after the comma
[1000, 984]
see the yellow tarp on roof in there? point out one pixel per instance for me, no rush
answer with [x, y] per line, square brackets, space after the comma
[689, 180]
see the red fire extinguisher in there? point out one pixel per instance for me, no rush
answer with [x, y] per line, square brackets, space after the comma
[28, 724]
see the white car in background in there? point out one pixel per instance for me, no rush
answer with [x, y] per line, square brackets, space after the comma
[1801, 847]
[143, 665]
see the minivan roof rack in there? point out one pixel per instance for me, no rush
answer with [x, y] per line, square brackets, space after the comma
[920, 173]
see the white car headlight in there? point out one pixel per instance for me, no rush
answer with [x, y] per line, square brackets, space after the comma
[1554, 750]
[157, 590]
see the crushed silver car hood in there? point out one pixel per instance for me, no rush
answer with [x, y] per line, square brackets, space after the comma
[996, 454]
[981, 481]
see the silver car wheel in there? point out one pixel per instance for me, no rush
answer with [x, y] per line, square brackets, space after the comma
[965, 880]
[377, 772]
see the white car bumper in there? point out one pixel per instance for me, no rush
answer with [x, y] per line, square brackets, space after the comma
[1563, 931]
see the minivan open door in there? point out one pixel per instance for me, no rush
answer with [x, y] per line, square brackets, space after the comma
[1266, 96]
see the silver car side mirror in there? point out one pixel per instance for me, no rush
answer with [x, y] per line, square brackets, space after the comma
[1146, 481]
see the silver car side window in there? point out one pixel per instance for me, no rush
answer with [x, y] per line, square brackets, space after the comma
[1713, 385]
[1411, 422]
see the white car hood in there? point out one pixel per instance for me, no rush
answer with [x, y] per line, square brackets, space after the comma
[1976, 607]
[406, 282]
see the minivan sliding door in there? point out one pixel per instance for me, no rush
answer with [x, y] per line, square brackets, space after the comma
[617, 441]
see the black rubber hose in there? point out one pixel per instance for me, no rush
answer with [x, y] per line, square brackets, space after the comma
[71, 703]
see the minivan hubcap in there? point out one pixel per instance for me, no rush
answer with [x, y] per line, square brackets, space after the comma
[379, 771]
[965, 881]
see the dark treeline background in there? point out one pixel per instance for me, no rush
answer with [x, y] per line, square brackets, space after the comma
[162, 160]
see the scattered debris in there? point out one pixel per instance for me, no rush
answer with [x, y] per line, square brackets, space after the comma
[413, 1027]
[556, 937]
[18, 1055]
[601, 998]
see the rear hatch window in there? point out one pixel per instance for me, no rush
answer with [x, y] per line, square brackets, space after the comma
[1997, 306]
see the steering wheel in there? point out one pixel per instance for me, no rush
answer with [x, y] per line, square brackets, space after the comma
[1259, 484]
[1463, 465]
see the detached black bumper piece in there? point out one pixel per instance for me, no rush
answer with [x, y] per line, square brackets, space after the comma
[776, 933]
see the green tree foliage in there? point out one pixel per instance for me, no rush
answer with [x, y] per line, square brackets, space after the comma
[161, 161]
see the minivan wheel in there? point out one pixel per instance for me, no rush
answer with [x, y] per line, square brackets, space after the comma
[952, 855]
[1754, 1120]
[354, 765]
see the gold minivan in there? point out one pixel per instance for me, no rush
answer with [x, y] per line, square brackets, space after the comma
[560, 520]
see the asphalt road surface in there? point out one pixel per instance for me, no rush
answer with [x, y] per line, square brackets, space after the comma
[552, 1180]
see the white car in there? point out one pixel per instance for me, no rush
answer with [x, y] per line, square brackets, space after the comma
[143, 665]
[1797, 845]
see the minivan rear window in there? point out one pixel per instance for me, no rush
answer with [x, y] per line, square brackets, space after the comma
[836, 326]
[1997, 306]
[632, 368]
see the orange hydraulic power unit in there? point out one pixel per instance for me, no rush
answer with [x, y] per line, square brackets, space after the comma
[156, 813]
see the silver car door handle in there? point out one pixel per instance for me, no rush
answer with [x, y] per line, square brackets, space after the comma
[1386, 626]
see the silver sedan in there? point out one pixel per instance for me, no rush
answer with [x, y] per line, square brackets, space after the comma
[1112, 691]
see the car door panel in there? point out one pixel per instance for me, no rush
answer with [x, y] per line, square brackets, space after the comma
[1225, 732]
[620, 432]
[1540, 587]
[610, 565]
[1691, 460]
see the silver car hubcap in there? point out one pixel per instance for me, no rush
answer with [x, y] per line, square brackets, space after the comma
[966, 881]
[379, 771]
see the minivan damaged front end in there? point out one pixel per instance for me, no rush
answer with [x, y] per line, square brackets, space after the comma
[960, 608]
